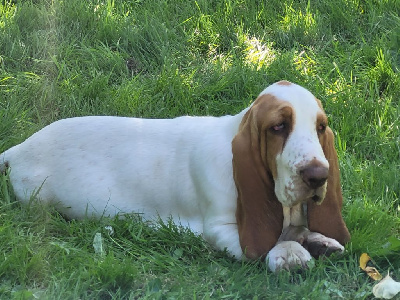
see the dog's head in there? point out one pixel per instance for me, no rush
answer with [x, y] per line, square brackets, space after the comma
[282, 156]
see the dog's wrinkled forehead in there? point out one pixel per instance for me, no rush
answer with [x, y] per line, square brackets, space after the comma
[302, 100]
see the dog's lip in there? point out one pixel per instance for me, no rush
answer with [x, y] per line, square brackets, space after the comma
[316, 198]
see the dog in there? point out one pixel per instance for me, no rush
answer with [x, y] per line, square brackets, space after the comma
[261, 184]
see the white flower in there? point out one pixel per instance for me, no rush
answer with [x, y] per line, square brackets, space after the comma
[109, 229]
[387, 288]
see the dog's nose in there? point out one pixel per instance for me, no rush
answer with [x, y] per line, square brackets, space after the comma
[314, 176]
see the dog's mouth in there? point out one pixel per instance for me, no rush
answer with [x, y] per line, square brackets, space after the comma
[297, 193]
[316, 198]
[317, 195]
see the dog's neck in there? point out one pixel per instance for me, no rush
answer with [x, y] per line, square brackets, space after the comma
[296, 215]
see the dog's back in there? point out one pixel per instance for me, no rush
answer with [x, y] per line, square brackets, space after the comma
[105, 165]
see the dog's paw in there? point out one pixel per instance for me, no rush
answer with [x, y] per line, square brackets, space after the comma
[320, 245]
[288, 255]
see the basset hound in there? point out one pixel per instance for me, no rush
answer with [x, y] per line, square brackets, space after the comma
[261, 184]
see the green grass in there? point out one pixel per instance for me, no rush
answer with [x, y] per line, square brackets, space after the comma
[68, 58]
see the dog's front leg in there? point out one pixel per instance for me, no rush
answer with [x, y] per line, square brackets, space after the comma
[315, 243]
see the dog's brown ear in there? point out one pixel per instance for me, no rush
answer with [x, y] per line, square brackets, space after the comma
[259, 214]
[326, 218]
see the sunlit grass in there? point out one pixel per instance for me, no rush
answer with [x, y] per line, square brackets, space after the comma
[258, 53]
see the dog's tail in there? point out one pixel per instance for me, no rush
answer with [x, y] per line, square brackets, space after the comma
[3, 164]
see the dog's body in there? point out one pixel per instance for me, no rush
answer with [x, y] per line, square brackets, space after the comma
[189, 168]
[126, 171]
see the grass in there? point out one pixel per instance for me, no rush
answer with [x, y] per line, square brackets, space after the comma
[162, 59]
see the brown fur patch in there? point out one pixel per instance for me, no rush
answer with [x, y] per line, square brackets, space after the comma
[259, 214]
[326, 217]
[284, 82]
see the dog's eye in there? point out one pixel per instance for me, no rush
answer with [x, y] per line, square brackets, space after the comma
[321, 128]
[279, 127]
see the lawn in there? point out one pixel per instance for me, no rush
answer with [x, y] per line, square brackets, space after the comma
[161, 59]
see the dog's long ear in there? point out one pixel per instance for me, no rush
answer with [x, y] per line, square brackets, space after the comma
[259, 214]
[326, 218]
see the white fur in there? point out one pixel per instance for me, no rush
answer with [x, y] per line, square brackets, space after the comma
[302, 145]
[287, 255]
[178, 167]
[98, 166]
[295, 215]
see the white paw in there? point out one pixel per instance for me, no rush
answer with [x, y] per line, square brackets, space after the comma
[287, 255]
[318, 244]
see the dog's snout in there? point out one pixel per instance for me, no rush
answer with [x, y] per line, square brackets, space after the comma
[314, 176]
